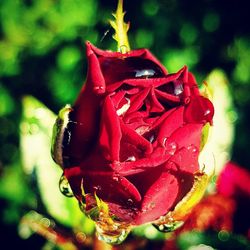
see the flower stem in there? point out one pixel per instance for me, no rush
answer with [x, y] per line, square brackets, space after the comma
[121, 28]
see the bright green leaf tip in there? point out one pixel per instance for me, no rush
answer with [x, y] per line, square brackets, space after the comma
[121, 28]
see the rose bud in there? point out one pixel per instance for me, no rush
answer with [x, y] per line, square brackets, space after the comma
[129, 146]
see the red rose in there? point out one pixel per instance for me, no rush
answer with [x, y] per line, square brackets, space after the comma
[134, 135]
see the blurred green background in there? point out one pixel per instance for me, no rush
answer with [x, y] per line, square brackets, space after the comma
[42, 54]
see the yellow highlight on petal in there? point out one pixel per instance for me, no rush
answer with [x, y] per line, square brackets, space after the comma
[121, 28]
[193, 197]
[174, 219]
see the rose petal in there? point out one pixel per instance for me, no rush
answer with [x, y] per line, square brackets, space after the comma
[185, 136]
[158, 157]
[159, 191]
[101, 183]
[186, 159]
[170, 124]
[138, 100]
[83, 127]
[130, 136]
[155, 105]
[95, 76]
[117, 98]
[165, 97]
[110, 131]
[139, 53]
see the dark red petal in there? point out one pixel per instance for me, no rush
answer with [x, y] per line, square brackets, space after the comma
[110, 131]
[101, 183]
[185, 136]
[166, 97]
[138, 100]
[117, 69]
[153, 160]
[186, 159]
[95, 75]
[117, 98]
[184, 74]
[170, 124]
[83, 127]
[139, 53]
[159, 190]
[155, 105]
[130, 136]
[191, 79]
[158, 199]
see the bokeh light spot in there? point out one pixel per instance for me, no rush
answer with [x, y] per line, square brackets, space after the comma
[211, 22]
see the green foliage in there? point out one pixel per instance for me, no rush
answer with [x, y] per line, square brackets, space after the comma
[36, 27]
[210, 241]
[36, 129]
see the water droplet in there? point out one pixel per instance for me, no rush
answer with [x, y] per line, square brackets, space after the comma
[200, 109]
[151, 138]
[116, 178]
[168, 227]
[130, 202]
[164, 141]
[64, 187]
[171, 147]
[114, 236]
[99, 89]
[187, 100]
[98, 187]
[144, 73]
[192, 148]
[178, 89]
[131, 158]
[151, 205]
[124, 108]
[80, 237]
[45, 222]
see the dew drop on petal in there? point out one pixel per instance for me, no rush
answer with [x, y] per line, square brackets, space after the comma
[115, 236]
[64, 187]
[192, 148]
[178, 89]
[171, 147]
[98, 187]
[144, 73]
[130, 202]
[151, 138]
[131, 158]
[115, 178]
[164, 141]
[99, 89]
[124, 108]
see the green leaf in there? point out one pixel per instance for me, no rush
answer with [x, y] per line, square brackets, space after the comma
[36, 131]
